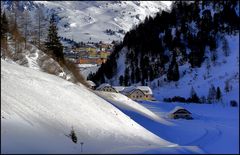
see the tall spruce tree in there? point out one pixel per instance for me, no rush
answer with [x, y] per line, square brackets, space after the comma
[121, 80]
[126, 77]
[219, 94]
[212, 94]
[4, 25]
[53, 43]
[194, 98]
[173, 72]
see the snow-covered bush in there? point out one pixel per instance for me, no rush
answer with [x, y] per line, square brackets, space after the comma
[233, 103]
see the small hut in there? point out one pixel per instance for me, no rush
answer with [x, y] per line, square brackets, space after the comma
[91, 84]
[180, 112]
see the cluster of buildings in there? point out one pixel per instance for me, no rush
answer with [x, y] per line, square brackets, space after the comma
[90, 53]
[142, 93]
[133, 92]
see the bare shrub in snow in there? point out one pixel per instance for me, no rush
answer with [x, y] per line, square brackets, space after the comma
[75, 71]
[73, 136]
[227, 86]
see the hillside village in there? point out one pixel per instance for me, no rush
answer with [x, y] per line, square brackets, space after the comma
[90, 53]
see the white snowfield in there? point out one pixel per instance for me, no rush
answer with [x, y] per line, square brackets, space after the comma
[38, 111]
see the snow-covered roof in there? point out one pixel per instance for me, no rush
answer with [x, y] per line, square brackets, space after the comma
[119, 88]
[145, 89]
[91, 83]
[103, 85]
[129, 89]
[176, 109]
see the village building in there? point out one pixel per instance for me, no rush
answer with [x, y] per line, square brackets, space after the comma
[106, 87]
[133, 93]
[147, 92]
[83, 54]
[105, 46]
[92, 54]
[179, 112]
[98, 61]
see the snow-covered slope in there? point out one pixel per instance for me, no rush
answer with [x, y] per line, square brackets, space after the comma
[39, 110]
[88, 20]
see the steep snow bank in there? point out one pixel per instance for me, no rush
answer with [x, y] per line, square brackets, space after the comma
[126, 103]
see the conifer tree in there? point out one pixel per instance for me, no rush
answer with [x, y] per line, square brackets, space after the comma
[126, 77]
[212, 94]
[53, 43]
[194, 97]
[225, 47]
[4, 25]
[219, 94]
[173, 72]
[121, 78]
[227, 86]
[137, 75]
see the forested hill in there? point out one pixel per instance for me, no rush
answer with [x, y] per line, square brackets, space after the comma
[192, 32]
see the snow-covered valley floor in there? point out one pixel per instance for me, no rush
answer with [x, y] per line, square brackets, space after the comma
[214, 129]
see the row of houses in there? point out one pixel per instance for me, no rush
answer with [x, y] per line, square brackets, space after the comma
[142, 93]
[133, 92]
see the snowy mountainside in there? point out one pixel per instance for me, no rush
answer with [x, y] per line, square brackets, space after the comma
[39, 110]
[225, 69]
[89, 20]
[198, 46]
